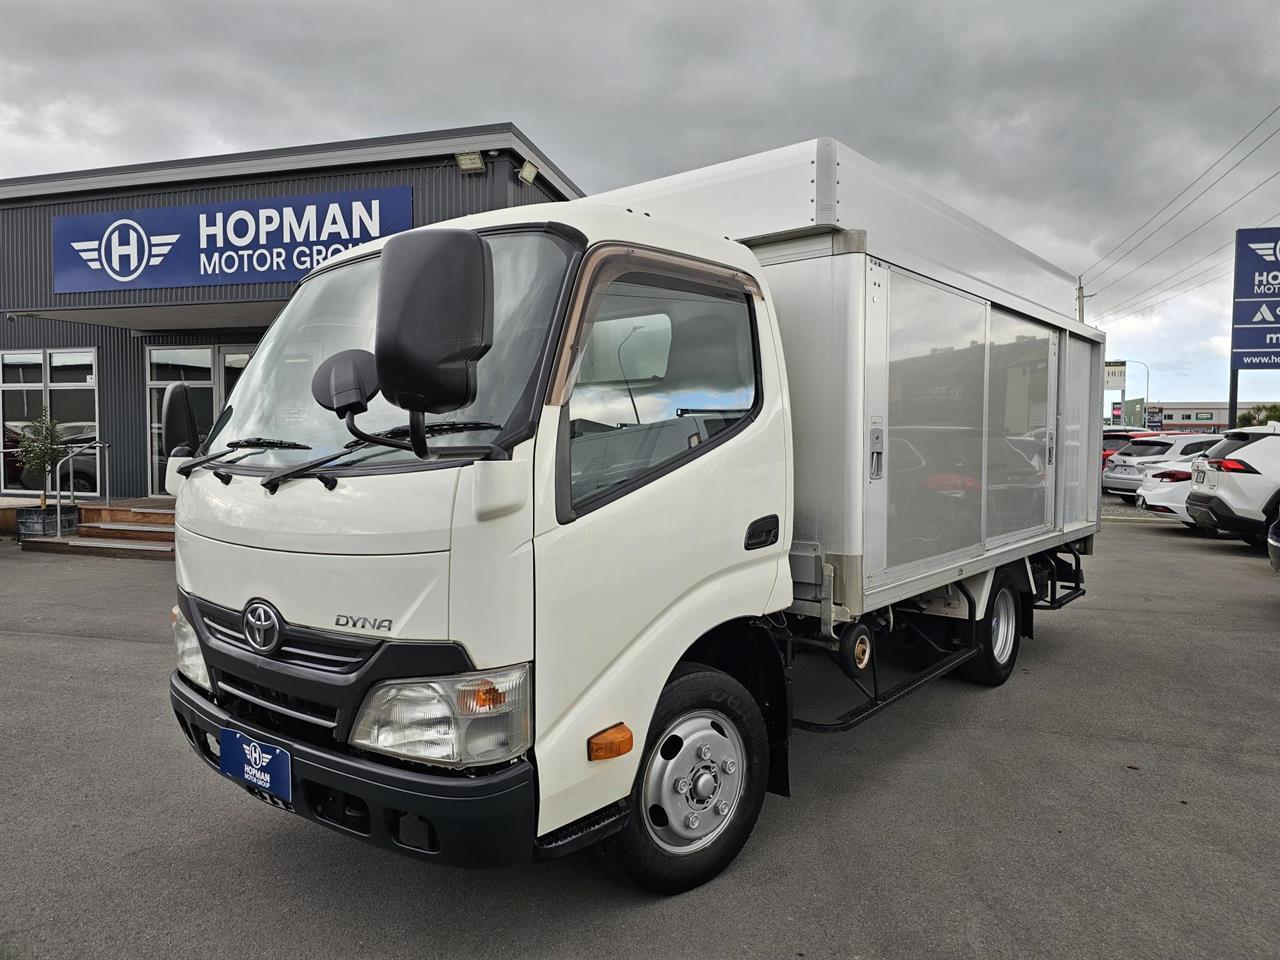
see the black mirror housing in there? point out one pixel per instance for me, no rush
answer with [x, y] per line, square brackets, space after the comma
[346, 382]
[178, 428]
[435, 318]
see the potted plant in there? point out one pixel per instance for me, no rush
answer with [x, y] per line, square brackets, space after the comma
[40, 449]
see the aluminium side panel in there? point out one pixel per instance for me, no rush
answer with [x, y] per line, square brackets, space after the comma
[819, 301]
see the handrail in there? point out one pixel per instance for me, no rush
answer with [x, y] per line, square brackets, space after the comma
[57, 477]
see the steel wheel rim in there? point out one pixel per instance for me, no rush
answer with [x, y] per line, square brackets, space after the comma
[693, 782]
[1004, 625]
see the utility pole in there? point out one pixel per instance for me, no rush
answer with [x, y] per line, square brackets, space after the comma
[1233, 399]
[1080, 297]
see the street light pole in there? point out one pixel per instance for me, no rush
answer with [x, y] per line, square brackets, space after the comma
[1146, 397]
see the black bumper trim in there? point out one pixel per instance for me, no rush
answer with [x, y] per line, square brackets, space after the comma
[1213, 513]
[484, 821]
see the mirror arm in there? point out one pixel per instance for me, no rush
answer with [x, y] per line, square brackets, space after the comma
[370, 438]
[418, 435]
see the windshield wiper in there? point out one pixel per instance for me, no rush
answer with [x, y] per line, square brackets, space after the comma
[253, 443]
[390, 438]
[273, 480]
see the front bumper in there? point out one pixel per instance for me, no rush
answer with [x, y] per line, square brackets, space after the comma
[1214, 514]
[482, 821]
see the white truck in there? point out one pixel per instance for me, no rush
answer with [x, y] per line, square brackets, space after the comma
[515, 528]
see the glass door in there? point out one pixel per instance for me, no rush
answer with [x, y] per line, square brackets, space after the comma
[231, 363]
[211, 373]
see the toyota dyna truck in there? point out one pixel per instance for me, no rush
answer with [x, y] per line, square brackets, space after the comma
[517, 528]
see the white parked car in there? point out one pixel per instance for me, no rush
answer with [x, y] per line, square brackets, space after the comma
[1237, 487]
[1165, 486]
[1123, 473]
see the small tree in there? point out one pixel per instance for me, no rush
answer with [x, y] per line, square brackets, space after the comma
[41, 447]
[1259, 415]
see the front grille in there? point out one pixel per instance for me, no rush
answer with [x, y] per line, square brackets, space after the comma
[275, 710]
[299, 646]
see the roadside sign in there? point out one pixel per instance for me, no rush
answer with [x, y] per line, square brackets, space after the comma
[1255, 314]
[1155, 418]
[1113, 376]
[1117, 412]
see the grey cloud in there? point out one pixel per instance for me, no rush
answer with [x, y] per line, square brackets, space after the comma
[1063, 125]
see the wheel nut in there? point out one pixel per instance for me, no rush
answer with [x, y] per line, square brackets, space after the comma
[682, 786]
[722, 807]
[729, 766]
[704, 752]
[692, 821]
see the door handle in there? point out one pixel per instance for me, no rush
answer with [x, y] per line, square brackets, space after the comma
[761, 533]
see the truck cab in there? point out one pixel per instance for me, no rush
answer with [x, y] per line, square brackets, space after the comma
[389, 621]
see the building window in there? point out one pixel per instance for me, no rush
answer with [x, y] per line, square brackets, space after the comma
[1186, 416]
[64, 382]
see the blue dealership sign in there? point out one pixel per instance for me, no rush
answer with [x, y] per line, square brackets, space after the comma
[238, 241]
[1255, 314]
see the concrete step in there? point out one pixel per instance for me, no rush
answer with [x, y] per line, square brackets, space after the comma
[156, 532]
[100, 547]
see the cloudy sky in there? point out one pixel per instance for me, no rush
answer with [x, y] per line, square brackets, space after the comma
[1063, 125]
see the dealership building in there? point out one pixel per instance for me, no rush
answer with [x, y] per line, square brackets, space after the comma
[116, 282]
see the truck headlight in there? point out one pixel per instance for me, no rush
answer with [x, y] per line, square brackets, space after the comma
[190, 659]
[453, 721]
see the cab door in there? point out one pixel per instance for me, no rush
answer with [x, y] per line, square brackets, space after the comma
[663, 503]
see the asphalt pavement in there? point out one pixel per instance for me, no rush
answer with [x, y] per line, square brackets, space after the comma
[1116, 798]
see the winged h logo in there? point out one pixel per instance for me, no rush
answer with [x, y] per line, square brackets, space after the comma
[1268, 251]
[125, 250]
[261, 626]
[254, 753]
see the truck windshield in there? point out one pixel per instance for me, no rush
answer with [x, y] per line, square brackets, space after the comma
[336, 310]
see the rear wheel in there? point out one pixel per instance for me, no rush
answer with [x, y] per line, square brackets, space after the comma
[999, 633]
[700, 785]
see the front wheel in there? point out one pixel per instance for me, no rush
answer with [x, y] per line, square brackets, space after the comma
[700, 785]
[998, 634]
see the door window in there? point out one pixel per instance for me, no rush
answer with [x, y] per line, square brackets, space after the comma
[666, 366]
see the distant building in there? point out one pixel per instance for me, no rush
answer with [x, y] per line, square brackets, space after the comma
[1199, 417]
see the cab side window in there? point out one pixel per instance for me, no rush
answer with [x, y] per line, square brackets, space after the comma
[665, 366]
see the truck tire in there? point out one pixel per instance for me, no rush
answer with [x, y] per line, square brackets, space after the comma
[700, 785]
[999, 633]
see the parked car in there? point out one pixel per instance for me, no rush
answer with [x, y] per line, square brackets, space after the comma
[1237, 489]
[1123, 473]
[1164, 488]
[1113, 440]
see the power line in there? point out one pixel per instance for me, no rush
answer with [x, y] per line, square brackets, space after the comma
[1172, 217]
[1136, 307]
[1117, 307]
[1203, 223]
[1152, 306]
[1184, 190]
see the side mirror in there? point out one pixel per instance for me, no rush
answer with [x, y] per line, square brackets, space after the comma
[346, 382]
[179, 434]
[435, 318]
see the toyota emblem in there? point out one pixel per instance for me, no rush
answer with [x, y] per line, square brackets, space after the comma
[261, 626]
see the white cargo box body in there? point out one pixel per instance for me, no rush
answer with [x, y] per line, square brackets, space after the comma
[946, 403]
